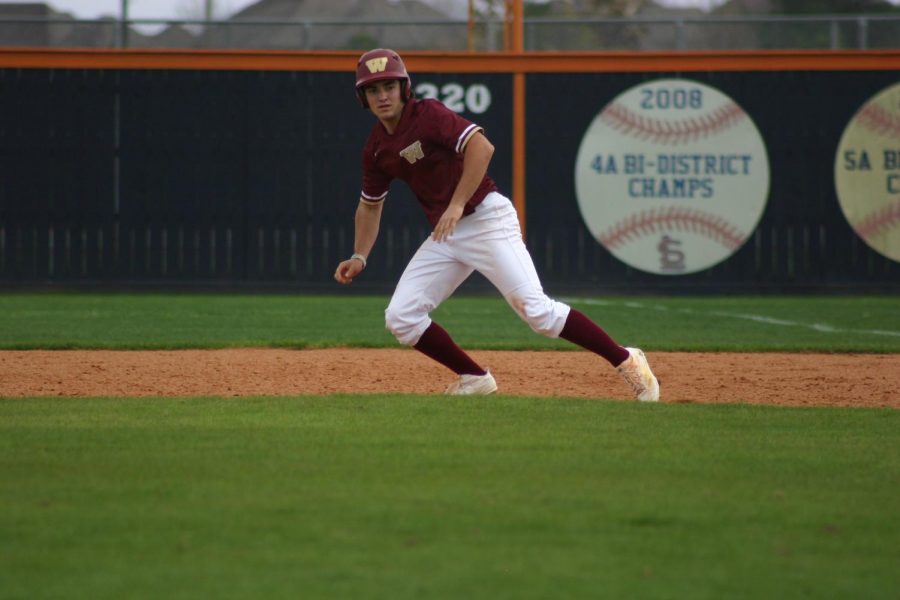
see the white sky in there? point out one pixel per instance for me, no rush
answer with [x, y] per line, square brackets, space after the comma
[174, 9]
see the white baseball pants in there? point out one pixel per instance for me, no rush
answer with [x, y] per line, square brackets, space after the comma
[488, 241]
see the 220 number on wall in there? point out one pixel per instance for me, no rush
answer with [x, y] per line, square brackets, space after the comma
[475, 98]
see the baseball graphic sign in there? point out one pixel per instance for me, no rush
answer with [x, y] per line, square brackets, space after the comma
[867, 172]
[672, 177]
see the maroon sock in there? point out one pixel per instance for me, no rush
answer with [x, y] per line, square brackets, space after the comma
[437, 345]
[582, 331]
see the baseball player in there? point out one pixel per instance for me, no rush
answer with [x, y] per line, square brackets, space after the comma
[444, 159]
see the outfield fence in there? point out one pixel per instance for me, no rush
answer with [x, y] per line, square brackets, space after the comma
[203, 175]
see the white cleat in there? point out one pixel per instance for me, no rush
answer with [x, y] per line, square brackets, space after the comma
[473, 385]
[636, 373]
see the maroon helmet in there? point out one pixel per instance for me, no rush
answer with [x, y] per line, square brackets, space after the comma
[378, 65]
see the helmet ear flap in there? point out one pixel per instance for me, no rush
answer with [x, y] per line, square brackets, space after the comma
[406, 90]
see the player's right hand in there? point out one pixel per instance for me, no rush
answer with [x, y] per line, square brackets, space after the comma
[347, 270]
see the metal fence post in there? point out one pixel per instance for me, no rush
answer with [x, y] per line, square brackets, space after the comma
[491, 35]
[862, 27]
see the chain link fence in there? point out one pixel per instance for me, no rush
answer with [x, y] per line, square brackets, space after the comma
[835, 32]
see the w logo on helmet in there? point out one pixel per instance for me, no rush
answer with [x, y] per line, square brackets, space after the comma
[377, 65]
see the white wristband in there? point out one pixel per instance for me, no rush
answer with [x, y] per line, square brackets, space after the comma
[360, 258]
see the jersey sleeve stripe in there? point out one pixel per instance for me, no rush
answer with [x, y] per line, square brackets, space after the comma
[372, 199]
[464, 137]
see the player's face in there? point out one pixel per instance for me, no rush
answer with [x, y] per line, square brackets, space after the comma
[384, 100]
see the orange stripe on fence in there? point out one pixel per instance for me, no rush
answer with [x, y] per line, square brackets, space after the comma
[457, 62]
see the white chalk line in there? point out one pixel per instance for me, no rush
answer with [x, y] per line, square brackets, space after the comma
[820, 327]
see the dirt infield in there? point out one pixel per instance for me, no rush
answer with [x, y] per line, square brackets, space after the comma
[860, 380]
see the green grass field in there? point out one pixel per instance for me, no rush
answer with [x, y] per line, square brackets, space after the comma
[437, 497]
[400, 497]
[791, 324]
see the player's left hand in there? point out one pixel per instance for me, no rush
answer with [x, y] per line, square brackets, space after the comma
[447, 223]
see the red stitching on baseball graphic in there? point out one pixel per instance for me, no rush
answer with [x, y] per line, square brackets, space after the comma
[667, 219]
[624, 120]
[879, 221]
[879, 120]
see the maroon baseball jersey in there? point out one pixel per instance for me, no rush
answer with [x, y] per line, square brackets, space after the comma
[425, 151]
